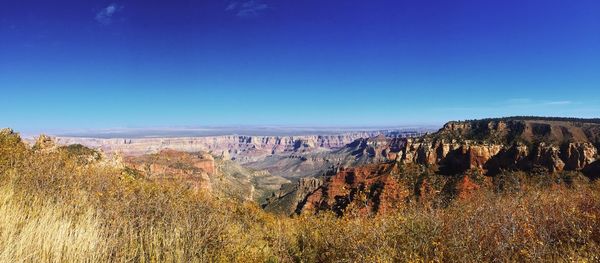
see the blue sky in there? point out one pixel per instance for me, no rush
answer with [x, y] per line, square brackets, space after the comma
[104, 64]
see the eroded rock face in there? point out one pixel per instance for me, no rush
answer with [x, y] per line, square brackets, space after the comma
[479, 155]
[169, 165]
[290, 198]
[548, 156]
[369, 189]
[374, 189]
[578, 155]
[458, 157]
[309, 185]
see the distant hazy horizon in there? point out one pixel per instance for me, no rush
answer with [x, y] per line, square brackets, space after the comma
[246, 130]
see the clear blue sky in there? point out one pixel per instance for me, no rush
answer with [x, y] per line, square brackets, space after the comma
[102, 64]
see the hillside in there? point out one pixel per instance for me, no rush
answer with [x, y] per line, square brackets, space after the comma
[524, 130]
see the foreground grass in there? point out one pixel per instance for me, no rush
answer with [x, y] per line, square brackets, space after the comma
[54, 208]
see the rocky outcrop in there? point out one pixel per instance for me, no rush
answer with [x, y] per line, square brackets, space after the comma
[458, 157]
[44, 143]
[290, 198]
[577, 156]
[169, 165]
[496, 144]
[365, 190]
[513, 130]
[370, 190]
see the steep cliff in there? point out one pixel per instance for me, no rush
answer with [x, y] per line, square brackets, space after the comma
[493, 145]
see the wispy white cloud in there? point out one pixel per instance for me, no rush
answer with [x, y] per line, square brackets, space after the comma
[526, 102]
[245, 9]
[105, 16]
[561, 102]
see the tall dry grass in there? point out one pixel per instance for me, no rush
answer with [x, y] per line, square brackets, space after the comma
[38, 231]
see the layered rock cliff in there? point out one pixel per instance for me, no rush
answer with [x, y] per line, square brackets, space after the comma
[170, 165]
[516, 144]
[241, 148]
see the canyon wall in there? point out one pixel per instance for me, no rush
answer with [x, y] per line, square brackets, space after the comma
[461, 157]
[242, 148]
[508, 145]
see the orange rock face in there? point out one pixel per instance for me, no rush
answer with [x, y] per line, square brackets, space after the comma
[479, 155]
[369, 189]
[170, 165]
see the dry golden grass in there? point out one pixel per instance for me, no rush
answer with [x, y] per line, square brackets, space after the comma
[36, 231]
[54, 209]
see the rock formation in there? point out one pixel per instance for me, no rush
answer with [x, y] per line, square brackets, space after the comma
[169, 165]
[201, 172]
[515, 144]
[368, 189]
[44, 143]
[459, 149]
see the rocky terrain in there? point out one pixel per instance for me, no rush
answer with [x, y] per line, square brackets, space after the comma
[326, 162]
[201, 172]
[493, 145]
[462, 156]
[195, 170]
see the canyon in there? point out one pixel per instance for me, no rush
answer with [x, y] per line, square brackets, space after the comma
[364, 172]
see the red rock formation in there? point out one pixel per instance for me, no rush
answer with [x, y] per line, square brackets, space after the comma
[170, 165]
[367, 189]
[466, 187]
